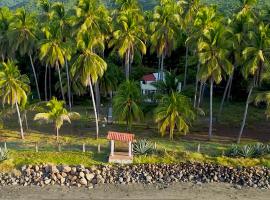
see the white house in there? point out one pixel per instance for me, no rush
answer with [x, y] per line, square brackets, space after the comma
[147, 81]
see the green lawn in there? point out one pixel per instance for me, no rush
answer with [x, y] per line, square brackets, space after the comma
[182, 148]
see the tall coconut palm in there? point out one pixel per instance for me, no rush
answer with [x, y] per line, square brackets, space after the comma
[128, 37]
[164, 29]
[14, 88]
[93, 16]
[53, 51]
[22, 37]
[174, 112]
[214, 49]
[126, 103]
[89, 67]
[190, 12]
[256, 59]
[56, 114]
[61, 18]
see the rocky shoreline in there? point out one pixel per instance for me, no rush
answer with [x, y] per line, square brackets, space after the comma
[80, 176]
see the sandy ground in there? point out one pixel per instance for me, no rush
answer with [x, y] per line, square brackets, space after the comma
[181, 191]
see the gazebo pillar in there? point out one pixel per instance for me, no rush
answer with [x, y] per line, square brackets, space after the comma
[112, 147]
[129, 149]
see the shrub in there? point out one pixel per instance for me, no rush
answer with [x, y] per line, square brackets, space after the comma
[143, 147]
[233, 151]
[3, 154]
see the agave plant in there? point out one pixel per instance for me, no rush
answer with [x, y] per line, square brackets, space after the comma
[246, 151]
[3, 154]
[233, 151]
[142, 147]
[259, 149]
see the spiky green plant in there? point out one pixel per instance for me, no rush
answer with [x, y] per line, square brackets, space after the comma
[143, 147]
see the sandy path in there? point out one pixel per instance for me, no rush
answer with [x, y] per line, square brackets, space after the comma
[181, 191]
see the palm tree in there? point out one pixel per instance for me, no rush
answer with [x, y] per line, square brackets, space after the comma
[214, 49]
[128, 37]
[164, 29]
[22, 37]
[174, 112]
[191, 11]
[56, 114]
[53, 51]
[255, 56]
[61, 18]
[89, 66]
[126, 103]
[13, 88]
[264, 97]
[5, 20]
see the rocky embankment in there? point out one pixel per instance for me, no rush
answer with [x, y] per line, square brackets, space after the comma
[80, 176]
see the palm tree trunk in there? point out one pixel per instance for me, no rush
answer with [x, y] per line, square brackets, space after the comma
[50, 82]
[186, 66]
[20, 120]
[3, 58]
[45, 83]
[159, 63]
[97, 93]
[127, 64]
[224, 96]
[94, 106]
[230, 87]
[162, 67]
[245, 115]
[211, 110]
[196, 86]
[26, 121]
[57, 134]
[68, 84]
[35, 75]
[60, 80]
[200, 95]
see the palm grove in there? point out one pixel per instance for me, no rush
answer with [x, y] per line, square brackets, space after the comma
[93, 49]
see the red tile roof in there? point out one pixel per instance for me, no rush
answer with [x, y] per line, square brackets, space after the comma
[124, 137]
[149, 77]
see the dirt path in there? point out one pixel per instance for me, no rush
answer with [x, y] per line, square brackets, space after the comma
[181, 191]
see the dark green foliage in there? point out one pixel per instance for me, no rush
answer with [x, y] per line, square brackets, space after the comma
[246, 151]
[143, 147]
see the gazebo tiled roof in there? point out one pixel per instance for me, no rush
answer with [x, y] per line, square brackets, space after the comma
[124, 137]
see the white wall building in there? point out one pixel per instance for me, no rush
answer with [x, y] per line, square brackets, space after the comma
[147, 81]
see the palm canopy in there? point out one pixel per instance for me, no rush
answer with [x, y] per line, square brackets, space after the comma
[164, 27]
[52, 49]
[264, 97]
[22, 32]
[5, 20]
[174, 112]
[129, 35]
[214, 49]
[14, 87]
[126, 103]
[56, 114]
[88, 66]
[257, 52]
[92, 15]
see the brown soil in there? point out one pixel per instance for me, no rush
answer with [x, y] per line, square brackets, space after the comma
[181, 191]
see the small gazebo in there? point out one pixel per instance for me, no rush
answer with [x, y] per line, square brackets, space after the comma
[121, 157]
